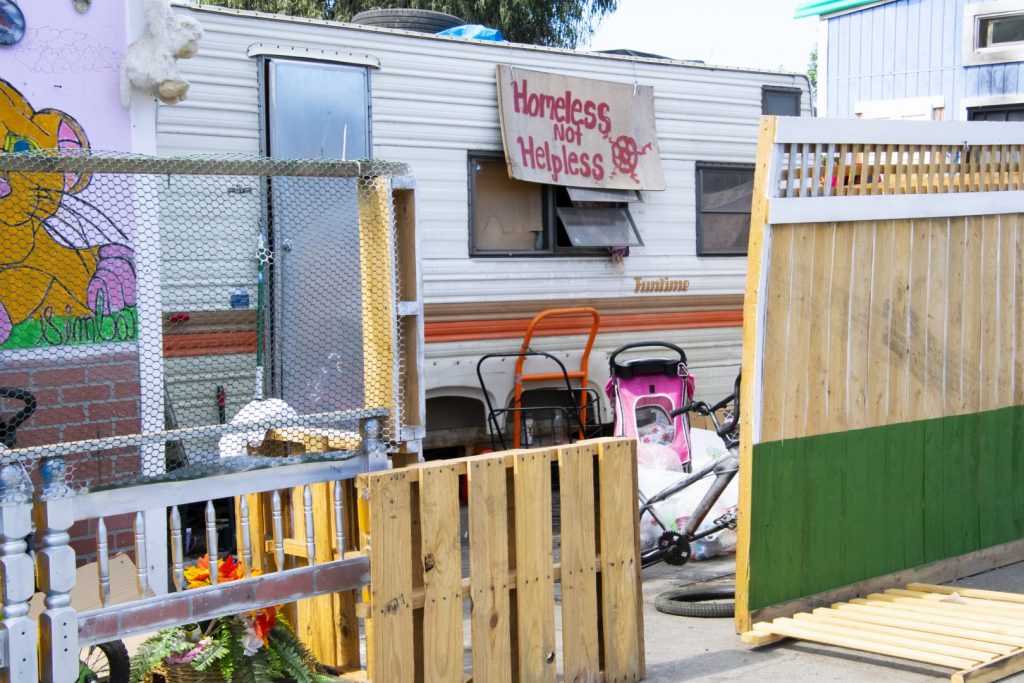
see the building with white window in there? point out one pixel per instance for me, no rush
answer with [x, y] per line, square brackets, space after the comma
[956, 60]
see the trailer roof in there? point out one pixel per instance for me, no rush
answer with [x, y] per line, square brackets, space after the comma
[698, 64]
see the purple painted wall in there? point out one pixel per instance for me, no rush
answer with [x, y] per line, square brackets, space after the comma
[67, 269]
[70, 61]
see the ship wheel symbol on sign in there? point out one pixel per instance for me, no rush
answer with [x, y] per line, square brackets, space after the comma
[626, 155]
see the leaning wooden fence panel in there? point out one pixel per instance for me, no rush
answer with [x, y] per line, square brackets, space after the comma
[883, 374]
[420, 576]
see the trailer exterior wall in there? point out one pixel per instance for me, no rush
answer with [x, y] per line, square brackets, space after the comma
[432, 101]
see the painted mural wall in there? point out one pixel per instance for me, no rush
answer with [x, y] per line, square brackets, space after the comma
[908, 49]
[67, 272]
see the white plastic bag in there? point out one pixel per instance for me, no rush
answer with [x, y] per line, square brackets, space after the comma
[677, 509]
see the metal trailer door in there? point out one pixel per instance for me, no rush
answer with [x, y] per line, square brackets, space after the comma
[315, 110]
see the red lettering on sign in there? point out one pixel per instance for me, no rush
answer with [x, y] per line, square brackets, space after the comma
[560, 161]
[564, 109]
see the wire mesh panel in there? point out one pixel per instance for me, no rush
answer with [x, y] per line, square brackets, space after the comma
[160, 314]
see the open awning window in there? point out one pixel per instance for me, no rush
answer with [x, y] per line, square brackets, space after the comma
[589, 194]
[599, 227]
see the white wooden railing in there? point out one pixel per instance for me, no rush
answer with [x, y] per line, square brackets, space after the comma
[61, 631]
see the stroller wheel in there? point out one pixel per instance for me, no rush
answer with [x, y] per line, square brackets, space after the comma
[675, 549]
[690, 601]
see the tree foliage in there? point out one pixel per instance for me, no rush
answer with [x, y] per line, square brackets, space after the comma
[555, 23]
[812, 71]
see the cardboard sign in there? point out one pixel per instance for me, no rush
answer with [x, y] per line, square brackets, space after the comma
[579, 132]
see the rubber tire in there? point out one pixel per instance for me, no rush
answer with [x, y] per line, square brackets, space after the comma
[118, 660]
[422, 20]
[688, 602]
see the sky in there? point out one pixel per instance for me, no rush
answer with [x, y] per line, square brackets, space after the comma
[749, 33]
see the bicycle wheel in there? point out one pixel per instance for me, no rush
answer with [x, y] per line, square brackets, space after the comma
[694, 601]
[105, 663]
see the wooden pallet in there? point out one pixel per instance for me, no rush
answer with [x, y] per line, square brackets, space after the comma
[979, 633]
[410, 525]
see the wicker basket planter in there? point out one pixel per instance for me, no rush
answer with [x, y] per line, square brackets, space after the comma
[183, 673]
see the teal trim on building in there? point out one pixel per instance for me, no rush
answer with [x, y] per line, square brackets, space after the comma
[813, 8]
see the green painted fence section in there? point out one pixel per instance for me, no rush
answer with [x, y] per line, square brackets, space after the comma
[834, 509]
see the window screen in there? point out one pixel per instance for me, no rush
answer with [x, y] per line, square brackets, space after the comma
[780, 101]
[724, 194]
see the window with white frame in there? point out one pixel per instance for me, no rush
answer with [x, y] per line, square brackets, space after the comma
[993, 32]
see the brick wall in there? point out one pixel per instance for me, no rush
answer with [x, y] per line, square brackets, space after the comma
[93, 396]
[120, 537]
[86, 398]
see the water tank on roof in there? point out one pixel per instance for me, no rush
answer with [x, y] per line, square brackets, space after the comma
[425, 21]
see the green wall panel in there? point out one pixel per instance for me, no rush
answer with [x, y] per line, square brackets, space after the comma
[834, 509]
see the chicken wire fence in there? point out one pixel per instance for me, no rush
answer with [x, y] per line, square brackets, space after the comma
[161, 314]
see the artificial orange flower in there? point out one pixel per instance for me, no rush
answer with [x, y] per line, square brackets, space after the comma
[263, 620]
[228, 569]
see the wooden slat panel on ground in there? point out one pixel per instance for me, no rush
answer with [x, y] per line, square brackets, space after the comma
[392, 660]
[793, 629]
[998, 669]
[442, 573]
[620, 580]
[578, 528]
[974, 633]
[535, 587]
[901, 637]
[488, 562]
[879, 622]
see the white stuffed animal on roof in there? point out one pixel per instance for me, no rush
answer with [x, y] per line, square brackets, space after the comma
[150, 62]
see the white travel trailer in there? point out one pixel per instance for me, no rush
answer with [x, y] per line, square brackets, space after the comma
[658, 264]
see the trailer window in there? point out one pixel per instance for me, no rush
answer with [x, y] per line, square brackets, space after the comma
[512, 218]
[506, 215]
[724, 194]
[780, 101]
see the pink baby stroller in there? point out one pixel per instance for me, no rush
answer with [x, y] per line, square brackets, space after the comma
[644, 393]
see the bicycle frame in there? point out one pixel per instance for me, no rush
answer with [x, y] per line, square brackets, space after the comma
[724, 470]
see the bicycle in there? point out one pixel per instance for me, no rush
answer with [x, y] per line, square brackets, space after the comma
[674, 547]
[106, 662]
